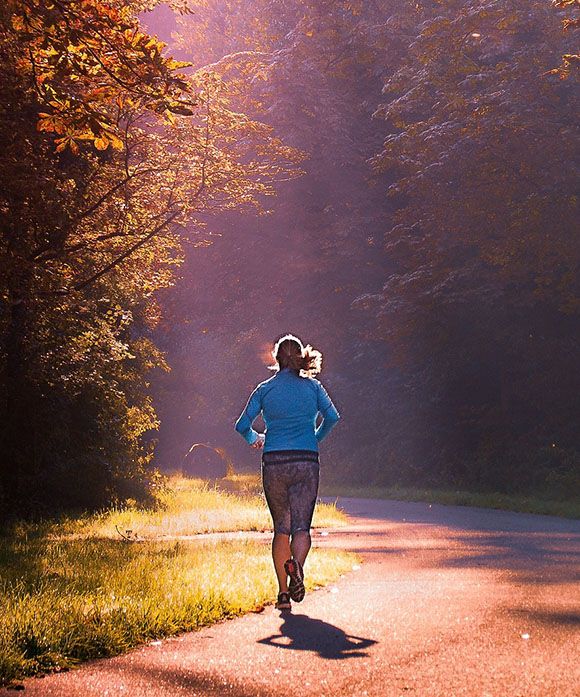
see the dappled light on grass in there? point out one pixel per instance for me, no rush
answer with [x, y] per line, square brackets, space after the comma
[192, 506]
[70, 598]
[98, 585]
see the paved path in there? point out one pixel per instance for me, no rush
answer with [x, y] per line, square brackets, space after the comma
[448, 601]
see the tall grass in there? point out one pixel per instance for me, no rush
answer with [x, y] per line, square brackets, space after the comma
[192, 506]
[76, 589]
[64, 601]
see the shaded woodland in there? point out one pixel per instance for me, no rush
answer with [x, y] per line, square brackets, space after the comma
[396, 183]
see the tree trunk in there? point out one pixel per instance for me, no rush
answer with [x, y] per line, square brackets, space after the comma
[16, 447]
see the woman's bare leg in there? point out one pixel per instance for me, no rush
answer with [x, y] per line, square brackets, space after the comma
[280, 553]
[300, 545]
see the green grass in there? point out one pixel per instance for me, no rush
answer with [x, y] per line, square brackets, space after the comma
[189, 507]
[520, 503]
[76, 589]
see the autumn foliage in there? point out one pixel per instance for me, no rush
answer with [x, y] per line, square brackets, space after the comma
[108, 151]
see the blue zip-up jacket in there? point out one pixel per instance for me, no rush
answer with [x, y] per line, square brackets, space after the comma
[290, 405]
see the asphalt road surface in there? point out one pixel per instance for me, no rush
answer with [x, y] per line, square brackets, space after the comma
[447, 601]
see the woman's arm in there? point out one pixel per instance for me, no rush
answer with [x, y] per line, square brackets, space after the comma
[330, 415]
[244, 423]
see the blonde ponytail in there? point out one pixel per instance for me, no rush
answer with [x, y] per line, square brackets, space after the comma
[289, 352]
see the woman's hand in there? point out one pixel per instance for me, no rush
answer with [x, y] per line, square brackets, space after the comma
[260, 442]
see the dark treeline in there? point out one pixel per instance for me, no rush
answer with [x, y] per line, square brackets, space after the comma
[423, 235]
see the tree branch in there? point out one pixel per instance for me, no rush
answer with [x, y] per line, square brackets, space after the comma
[126, 253]
[45, 252]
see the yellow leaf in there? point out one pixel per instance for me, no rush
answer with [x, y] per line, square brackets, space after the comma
[116, 142]
[101, 143]
[18, 22]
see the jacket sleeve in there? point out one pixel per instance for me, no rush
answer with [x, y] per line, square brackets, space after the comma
[244, 423]
[330, 415]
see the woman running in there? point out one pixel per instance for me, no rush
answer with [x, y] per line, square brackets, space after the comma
[290, 402]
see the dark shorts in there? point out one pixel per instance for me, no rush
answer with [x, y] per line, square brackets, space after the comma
[290, 479]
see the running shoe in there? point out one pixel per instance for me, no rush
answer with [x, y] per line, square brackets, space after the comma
[296, 586]
[283, 602]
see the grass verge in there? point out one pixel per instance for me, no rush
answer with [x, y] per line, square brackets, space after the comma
[189, 507]
[520, 503]
[69, 601]
[76, 589]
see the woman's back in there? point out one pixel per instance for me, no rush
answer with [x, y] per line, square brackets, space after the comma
[290, 405]
[289, 410]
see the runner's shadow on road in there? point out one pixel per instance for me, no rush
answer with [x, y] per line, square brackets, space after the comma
[303, 633]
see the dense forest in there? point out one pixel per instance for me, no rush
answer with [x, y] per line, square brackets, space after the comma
[184, 182]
